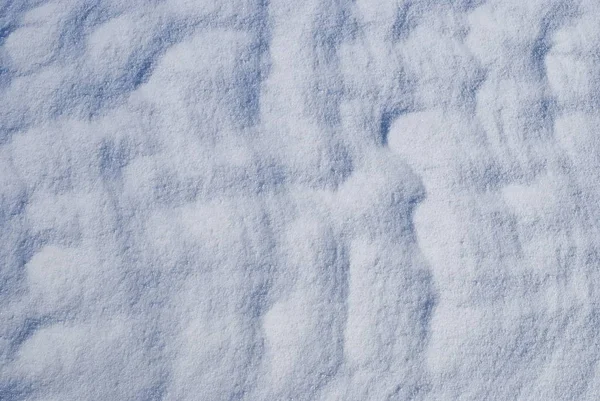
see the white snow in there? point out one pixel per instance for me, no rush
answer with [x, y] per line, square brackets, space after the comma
[318, 200]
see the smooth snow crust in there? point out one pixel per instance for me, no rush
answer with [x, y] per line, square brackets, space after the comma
[313, 200]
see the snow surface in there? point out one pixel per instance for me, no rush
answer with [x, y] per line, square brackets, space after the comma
[312, 200]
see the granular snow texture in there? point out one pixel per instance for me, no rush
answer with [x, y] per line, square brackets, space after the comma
[314, 200]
